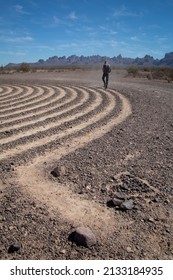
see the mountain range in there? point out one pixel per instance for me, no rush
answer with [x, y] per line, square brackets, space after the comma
[147, 60]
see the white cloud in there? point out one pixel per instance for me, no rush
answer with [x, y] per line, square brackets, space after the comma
[153, 26]
[72, 16]
[18, 39]
[134, 38]
[44, 47]
[56, 21]
[161, 39]
[124, 12]
[112, 32]
[19, 9]
[13, 53]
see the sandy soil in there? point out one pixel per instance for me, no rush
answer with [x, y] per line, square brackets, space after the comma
[103, 142]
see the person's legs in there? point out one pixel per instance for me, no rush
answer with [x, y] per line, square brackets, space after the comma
[103, 79]
[107, 79]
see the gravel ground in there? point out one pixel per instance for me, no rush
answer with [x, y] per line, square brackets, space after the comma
[128, 151]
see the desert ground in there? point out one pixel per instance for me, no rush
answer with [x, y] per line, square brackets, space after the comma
[103, 143]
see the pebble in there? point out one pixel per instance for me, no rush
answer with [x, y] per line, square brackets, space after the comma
[155, 199]
[119, 195]
[116, 202]
[117, 199]
[151, 220]
[124, 187]
[127, 205]
[14, 247]
[11, 227]
[129, 249]
[63, 251]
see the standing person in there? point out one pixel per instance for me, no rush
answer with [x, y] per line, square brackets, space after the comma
[105, 77]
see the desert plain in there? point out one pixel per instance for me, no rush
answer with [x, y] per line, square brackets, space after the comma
[103, 143]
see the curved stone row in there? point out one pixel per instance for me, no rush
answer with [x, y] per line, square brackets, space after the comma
[5, 92]
[47, 94]
[13, 95]
[61, 96]
[25, 95]
[68, 112]
[60, 116]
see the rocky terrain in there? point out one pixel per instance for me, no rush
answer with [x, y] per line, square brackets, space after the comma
[76, 156]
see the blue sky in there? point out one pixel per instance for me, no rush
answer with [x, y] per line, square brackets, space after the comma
[37, 29]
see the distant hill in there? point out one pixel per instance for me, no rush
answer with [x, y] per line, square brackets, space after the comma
[147, 60]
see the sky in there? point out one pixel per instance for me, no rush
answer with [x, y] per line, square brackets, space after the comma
[37, 29]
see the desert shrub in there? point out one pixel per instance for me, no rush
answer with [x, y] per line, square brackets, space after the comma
[33, 70]
[149, 76]
[133, 71]
[161, 73]
[146, 69]
[157, 74]
[170, 75]
[24, 67]
[3, 70]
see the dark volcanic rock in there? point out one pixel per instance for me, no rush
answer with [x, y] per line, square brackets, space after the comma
[14, 247]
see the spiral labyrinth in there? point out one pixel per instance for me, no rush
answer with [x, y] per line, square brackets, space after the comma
[36, 119]
[41, 124]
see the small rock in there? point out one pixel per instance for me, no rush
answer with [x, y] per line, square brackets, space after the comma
[111, 180]
[88, 187]
[119, 195]
[129, 249]
[167, 226]
[155, 199]
[127, 205]
[11, 227]
[117, 199]
[14, 247]
[167, 201]
[63, 251]
[58, 171]
[116, 202]
[124, 187]
[151, 220]
[83, 236]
